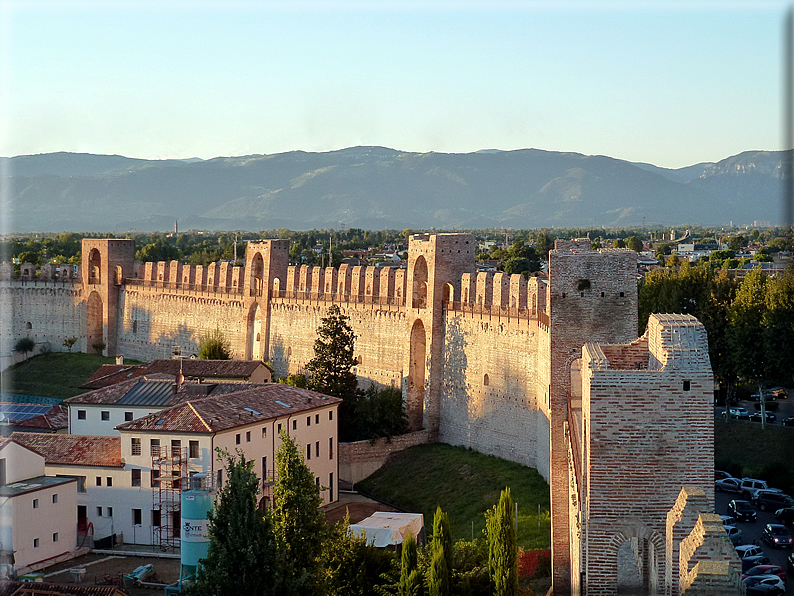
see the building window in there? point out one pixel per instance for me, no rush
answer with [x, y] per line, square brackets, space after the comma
[110, 511]
[331, 415]
[136, 517]
[331, 487]
[105, 415]
[55, 498]
[317, 419]
[248, 436]
[155, 478]
[99, 511]
[687, 385]
[55, 536]
[622, 294]
[317, 480]
[81, 484]
[193, 446]
[136, 446]
[99, 480]
[81, 414]
[486, 380]
[156, 517]
[109, 481]
[308, 420]
[294, 425]
[35, 503]
[264, 432]
[35, 543]
[136, 477]
[176, 447]
[219, 480]
[331, 448]
[135, 326]
[317, 449]
[308, 452]
[3, 473]
[127, 416]
[154, 446]
[279, 428]
[237, 439]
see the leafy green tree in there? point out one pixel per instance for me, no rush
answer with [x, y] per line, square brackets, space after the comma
[410, 576]
[215, 346]
[634, 244]
[746, 317]
[242, 551]
[502, 547]
[298, 523]
[69, 342]
[439, 574]
[25, 344]
[330, 369]
[521, 258]
[351, 567]
[737, 243]
[619, 243]
[778, 324]
[379, 413]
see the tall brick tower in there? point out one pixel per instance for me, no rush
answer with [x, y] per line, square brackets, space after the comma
[105, 265]
[435, 266]
[266, 261]
[592, 297]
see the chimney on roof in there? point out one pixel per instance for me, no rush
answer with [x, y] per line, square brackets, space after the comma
[119, 359]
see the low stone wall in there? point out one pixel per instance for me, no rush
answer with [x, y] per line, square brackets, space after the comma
[360, 459]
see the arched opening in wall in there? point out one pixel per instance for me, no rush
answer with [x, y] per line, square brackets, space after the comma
[94, 266]
[119, 275]
[640, 559]
[94, 322]
[255, 344]
[28, 325]
[465, 297]
[420, 283]
[486, 380]
[276, 287]
[257, 274]
[449, 293]
[416, 376]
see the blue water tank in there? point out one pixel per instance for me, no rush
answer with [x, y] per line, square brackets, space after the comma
[196, 504]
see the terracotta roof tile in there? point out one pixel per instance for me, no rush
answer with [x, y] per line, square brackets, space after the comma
[76, 450]
[110, 374]
[222, 412]
[14, 588]
[225, 369]
[56, 419]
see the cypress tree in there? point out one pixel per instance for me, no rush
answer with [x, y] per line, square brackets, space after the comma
[439, 574]
[502, 547]
[410, 578]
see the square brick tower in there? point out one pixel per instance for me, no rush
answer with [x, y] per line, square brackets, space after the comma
[592, 296]
[106, 263]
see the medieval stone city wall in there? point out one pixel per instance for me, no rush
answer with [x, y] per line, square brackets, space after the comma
[154, 321]
[46, 311]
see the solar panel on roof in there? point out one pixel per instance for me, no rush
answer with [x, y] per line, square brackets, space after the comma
[278, 401]
[254, 411]
[19, 412]
[148, 393]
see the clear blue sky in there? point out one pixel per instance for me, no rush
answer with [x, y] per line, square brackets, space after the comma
[670, 83]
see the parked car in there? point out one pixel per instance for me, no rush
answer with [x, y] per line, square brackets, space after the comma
[750, 486]
[720, 474]
[766, 570]
[737, 413]
[770, 499]
[780, 392]
[756, 417]
[785, 515]
[727, 520]
[777, 536]
[770, 396]
[734, 534]
[728, 485]
[788, 421]
[742, 510]
[771, 580]
[745, 551]
[750, 562]
[763, 590]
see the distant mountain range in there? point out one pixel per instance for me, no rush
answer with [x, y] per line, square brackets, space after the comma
[377, 187]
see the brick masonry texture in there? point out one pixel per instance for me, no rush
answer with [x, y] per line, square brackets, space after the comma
[484, 360]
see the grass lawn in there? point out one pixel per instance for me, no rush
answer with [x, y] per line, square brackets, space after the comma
[465, 484]
[744, 450]
[57, 374]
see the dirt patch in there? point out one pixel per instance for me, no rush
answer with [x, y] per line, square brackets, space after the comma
[358, 511]
[107, 570]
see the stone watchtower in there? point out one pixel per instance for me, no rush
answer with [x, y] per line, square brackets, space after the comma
[105, 265]
[592, 297]
[435, 265]
[265, 274]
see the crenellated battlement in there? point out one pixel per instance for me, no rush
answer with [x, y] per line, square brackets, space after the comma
[498, 293]
[366, 285]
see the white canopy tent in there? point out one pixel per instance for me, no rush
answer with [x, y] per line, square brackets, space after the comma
[386, 528]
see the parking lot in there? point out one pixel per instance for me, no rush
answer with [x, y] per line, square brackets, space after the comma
[785, 410]
[752, 533]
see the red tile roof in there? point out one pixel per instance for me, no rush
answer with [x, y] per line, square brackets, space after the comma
[222, 369]
[14, 588]
[4, 441]
[56, 419]
[75, 450]
[218, 413]
[110, 374]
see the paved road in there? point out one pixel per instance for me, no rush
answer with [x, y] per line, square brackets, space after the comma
[752, 532]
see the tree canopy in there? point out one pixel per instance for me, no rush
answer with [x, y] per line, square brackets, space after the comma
[215, 346]
[330, 369]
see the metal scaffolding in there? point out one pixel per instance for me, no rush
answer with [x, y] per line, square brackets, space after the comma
[169, 477]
